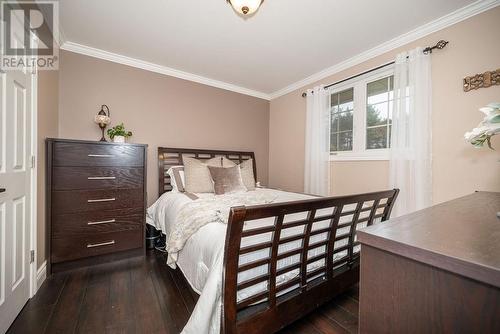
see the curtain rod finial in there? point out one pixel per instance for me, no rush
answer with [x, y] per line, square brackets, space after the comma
[439, 45]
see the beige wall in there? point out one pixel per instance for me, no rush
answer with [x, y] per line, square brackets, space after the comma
[369, 176]
[48, 95]
[166, 111]
[458, 168]
[160, 111]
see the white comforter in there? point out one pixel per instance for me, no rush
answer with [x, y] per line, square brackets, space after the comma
[201, 257]
[209, 209]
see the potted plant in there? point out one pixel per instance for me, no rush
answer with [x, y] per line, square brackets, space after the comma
[118, 134]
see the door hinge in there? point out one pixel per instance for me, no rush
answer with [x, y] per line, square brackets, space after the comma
[33, 161]
[32, 256]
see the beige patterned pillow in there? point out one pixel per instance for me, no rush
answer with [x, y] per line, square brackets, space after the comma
[246, 171]
[227, 163]
[227, 180]
[247, 174]
[197, 176]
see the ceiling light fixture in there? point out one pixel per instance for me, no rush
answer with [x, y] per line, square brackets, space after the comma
[245, 7]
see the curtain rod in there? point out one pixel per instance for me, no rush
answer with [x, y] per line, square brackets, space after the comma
[439, 45]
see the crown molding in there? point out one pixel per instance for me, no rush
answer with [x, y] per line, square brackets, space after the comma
[422, 31]
[133, 62]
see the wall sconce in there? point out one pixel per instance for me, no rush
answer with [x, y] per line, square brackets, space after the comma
[103, 119]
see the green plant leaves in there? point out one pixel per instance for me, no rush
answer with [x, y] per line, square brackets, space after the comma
[119, 130]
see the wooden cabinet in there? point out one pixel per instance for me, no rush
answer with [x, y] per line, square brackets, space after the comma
[96, 200]
[433, 271]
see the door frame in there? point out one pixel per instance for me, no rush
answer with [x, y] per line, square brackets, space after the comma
[32, 165]
[34, 178]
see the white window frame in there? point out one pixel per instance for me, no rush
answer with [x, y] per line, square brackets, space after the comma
[359, 151]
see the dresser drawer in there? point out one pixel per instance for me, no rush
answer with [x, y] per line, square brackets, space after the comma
[93, 222]
[68, 178]
[78, 201]
[98, 154]
[73, 248]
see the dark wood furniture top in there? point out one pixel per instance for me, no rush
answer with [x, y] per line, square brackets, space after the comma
[143, 296]
[102, 143]
[433, 271]
[96, 199]
[461, 236]
[169, 157]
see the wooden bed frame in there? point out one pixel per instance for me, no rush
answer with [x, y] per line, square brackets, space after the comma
[281, 304]
[170, 157]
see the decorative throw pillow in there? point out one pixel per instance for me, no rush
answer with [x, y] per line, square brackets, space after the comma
[227, 163]
[176, 174]
[227, 180]
[197, 176]
[246, 172]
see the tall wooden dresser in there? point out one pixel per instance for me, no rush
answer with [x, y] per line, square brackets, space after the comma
[96, 201]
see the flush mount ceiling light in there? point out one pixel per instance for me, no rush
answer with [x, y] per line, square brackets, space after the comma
[245, 7]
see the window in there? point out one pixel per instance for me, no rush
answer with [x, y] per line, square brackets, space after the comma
[342, 108]
[380, 95]
[361, 113]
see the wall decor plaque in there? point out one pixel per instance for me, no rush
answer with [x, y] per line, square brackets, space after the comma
[482, 80]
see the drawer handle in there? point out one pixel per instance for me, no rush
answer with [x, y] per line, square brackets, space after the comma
[112, 242]
[102, 222]
[101, 200]
[101, 177]
[100, 155]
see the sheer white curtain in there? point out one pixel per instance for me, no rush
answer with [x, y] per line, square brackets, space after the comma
[411, 145]
[317, 150]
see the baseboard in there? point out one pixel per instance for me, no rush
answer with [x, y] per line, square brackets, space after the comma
[41, 275]
[95, 260]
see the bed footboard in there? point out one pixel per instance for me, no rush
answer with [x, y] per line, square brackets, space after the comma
[284, 260]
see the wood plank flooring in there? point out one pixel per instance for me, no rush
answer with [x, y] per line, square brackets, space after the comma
[143, 295]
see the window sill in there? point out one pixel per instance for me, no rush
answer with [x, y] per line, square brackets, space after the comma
[376, 155]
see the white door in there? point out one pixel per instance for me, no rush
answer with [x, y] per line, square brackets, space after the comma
[15, 197]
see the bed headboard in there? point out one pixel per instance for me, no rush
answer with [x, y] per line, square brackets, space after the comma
[168, 157]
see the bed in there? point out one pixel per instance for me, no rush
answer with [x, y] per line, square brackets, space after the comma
[267, 264]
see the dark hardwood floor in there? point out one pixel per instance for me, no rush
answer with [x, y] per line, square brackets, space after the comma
[143, 295]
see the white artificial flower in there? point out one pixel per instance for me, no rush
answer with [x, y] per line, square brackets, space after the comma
[493, 129]
[492, 112]
[489, 127]
[487, 110]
